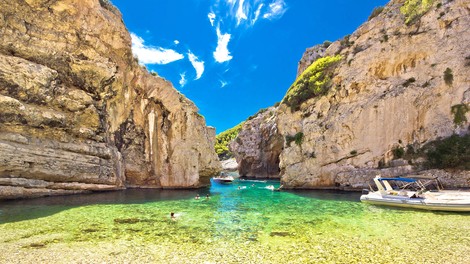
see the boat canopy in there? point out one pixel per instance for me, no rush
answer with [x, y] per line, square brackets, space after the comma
[397, 179]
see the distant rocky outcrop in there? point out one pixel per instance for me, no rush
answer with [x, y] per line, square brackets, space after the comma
[229, 164]
[258, 145]
[78, 113]
[400, 81]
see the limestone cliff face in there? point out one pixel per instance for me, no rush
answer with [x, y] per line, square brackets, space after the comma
[258, 145]
[310, 55]
[78, 113]
[394, 87]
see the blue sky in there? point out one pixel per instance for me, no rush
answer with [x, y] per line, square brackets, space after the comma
[234, 57]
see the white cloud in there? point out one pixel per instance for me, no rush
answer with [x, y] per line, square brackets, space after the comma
[234, 13]
[211, 17]
[221, 53]
[183, 80]
[240, 15]
[246, 13]
[197, 64]
[257, 13]
[276, 10]
[176, 42]
[223, 83]
[150, 55]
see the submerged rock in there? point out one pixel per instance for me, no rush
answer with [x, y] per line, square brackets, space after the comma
[280, 233]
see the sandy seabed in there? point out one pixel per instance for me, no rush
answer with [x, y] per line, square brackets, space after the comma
[234, 226]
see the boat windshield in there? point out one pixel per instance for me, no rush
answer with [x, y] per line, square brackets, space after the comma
[424, 183]
[397, 179]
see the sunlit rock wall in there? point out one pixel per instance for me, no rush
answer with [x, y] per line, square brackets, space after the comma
[389, 91]
[258, 145]
[78, 113]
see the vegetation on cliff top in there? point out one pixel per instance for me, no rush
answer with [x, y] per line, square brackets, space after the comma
[314, 81]
[261, 111]
[415, 9]
[107, 4]
[376, 12]
[223, 139]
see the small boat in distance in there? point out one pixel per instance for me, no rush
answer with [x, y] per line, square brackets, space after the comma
[412, 193]
[223, 178]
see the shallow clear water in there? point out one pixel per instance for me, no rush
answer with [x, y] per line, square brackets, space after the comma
[244, 222]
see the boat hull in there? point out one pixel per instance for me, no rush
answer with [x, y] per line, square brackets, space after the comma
[223, 181]
[418, 203]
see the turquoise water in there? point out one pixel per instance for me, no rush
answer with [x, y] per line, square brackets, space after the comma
[244, 222]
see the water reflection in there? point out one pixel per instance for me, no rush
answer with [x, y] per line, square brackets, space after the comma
[24, 209]
[234, 199]
[111, 197]
[329, 195]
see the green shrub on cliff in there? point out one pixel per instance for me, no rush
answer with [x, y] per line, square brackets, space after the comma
[452, 152]
[107, 4]
[262, 110]
[314, 81]
[415, 9]
[326, 44]
[398, 152]
[297, 138]
[448, 153]
[448, 76]
[459, 111]
[376, 12]
[223, 139]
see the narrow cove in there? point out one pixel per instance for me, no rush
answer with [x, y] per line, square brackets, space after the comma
[244, 222]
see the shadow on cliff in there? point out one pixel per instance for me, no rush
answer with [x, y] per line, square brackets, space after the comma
[26, 209]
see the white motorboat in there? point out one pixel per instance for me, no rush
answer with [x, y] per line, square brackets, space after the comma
[412, 193]
[224, 179]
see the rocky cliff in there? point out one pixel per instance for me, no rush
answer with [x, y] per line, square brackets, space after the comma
[78, 113]
[399, 81]
[310, 55]
[258, 145]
